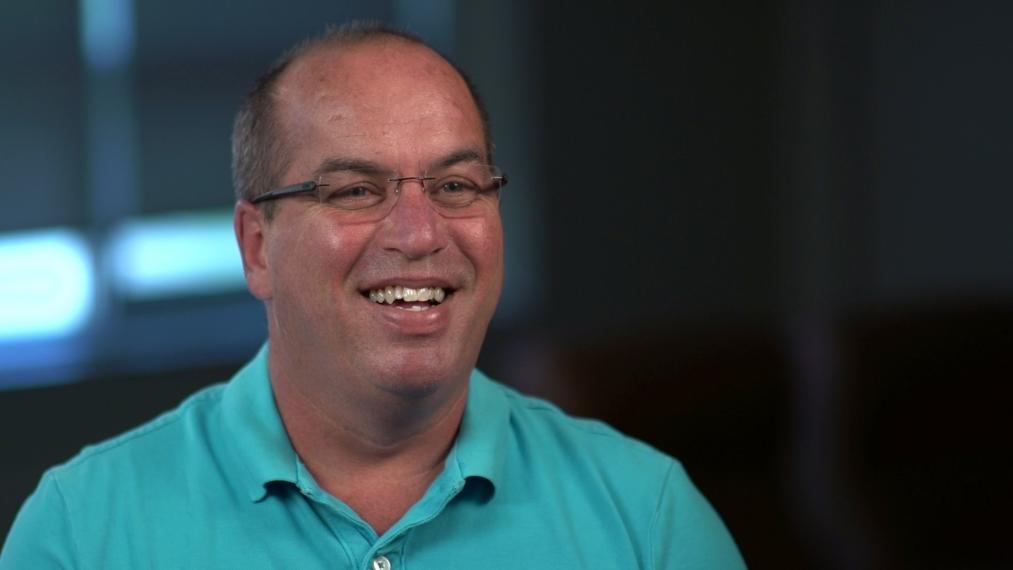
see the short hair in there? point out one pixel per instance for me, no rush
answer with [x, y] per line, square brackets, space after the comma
[259, 152]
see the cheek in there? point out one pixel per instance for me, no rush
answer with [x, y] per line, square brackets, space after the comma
[318, 256]
[482, 242]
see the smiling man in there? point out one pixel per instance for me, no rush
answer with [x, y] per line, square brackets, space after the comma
[361, 436]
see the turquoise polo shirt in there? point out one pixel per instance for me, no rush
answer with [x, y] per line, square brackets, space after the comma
[215, 483]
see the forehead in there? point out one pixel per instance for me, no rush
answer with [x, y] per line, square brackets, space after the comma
[390, 94]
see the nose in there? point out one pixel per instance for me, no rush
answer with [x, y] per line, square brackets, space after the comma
[413, 227]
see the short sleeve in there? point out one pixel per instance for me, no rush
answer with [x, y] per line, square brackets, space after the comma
[686, 532]
[41, 535]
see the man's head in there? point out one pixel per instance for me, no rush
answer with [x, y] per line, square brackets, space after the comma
[260, 151]
[380, 101]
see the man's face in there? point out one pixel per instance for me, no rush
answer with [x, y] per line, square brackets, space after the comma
[399, 106]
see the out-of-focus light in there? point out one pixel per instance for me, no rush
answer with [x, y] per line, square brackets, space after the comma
[46, 284]
[171, 256]
[107, 33]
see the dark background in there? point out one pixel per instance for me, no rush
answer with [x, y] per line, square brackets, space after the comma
[769, 238]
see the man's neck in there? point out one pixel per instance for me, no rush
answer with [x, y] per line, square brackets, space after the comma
[378, 458]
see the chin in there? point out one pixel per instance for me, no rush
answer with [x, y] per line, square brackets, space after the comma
[410, 389]
[418, 378]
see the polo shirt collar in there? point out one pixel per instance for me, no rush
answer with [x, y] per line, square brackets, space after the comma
[254, 430]
[260, 445]
[482, 441]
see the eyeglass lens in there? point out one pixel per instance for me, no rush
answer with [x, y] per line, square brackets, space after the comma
[464, 190]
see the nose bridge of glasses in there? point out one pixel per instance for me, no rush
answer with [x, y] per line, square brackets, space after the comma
[394, 197]
[399, 180]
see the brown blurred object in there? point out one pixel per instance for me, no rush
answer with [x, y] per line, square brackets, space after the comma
[927, 412]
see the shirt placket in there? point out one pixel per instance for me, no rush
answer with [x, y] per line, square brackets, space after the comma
[389, 551]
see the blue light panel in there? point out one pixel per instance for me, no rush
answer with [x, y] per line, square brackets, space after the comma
[47, 284]
[175, 255]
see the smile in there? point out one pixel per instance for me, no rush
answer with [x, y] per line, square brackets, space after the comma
[410, 298]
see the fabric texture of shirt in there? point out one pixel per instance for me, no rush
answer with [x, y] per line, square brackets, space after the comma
[215, 483]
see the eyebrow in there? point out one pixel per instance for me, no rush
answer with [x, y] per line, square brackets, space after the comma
[463, 155]
[363, 166]
[341, 164]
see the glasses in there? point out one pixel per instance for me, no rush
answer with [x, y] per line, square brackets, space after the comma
[363, 194]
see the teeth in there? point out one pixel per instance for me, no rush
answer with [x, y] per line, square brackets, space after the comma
[423, 294]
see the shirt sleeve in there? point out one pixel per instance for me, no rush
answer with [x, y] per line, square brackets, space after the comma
[41, 535]
[686, 532]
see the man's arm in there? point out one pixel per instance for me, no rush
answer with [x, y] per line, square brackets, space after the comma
[686, 531]
[41, 536]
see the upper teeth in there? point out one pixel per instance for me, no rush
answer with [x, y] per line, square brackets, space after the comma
[423, 294]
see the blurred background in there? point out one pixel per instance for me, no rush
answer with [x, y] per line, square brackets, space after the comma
[769, 238]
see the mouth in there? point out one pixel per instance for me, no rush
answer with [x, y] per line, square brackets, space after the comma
[409, 298]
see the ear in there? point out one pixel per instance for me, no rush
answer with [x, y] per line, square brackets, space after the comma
[251, 228]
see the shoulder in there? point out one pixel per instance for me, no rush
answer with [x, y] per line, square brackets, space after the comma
[538, 414]
[117, 483]
[647, 511]
[555, 438]
[148, 448]
[621, 482]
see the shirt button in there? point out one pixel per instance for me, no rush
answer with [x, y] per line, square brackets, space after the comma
[381, 563]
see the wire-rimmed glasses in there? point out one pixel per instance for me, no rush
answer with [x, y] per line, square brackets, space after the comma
[461, 190]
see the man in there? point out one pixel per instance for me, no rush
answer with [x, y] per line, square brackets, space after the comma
[361, 436]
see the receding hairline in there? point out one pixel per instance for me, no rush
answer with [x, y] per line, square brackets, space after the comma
[260, 115]
[307, 64]
[345, 40]
[326, 52]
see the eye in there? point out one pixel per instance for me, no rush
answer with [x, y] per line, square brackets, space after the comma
[352, 193]
[454, 192]
[354, 196]
[453, 186]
